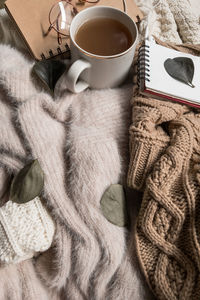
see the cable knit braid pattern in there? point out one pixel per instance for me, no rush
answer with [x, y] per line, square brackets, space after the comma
[171, 21]
[164, 164]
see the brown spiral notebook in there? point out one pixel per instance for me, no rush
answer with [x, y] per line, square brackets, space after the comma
[31, 19]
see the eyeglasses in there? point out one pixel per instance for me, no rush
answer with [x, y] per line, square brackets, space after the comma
[62, 13]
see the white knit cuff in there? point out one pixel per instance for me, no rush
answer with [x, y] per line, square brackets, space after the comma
[25, 230]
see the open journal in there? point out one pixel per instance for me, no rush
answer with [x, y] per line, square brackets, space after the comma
[154, 80]
[31, 18]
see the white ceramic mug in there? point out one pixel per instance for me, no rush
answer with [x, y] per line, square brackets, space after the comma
[95, 71]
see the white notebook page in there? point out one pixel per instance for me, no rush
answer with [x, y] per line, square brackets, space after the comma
[161, 82]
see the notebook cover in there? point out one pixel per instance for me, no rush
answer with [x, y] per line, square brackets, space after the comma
[154, 80]
[159, 96]
[31, 18]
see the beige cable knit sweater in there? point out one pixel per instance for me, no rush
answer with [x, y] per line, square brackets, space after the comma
[164, 163]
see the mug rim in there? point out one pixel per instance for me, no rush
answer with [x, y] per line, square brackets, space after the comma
[101, 56]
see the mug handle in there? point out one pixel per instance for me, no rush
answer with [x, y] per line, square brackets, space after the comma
[73, 74]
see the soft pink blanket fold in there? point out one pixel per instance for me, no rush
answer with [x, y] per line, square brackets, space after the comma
[81, 142]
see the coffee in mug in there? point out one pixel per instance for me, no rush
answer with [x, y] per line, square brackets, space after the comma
[104, 36]
[102, 43]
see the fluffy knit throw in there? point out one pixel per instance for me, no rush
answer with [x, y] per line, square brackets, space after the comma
[81, 154]
[164, 164]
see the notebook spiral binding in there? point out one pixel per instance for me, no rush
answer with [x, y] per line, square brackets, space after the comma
[51, 54]
[143, 64]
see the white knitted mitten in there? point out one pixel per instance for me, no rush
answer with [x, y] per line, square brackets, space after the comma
[25, 230]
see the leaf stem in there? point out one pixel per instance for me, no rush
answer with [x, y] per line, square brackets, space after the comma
[191, 84]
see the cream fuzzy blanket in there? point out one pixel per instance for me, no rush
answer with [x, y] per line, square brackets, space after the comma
[81, 142]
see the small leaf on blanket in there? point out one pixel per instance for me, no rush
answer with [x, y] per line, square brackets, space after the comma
[2, 3]
[28, 183]
[113, 205]
[180, 68]
[49, 71]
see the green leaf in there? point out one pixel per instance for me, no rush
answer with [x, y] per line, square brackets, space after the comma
[113, 205]
[28, 183]
[2, 4]
[49, 71]
[180, 68]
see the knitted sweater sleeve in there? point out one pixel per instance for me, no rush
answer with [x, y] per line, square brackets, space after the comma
[148, 135]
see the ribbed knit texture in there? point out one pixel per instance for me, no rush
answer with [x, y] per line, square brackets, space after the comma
[164, 163]
[25, 229]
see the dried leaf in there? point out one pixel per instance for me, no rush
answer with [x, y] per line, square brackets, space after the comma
[113, 205]
[180, 68]
[28, 183]
[2, 4]
[49, 71]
